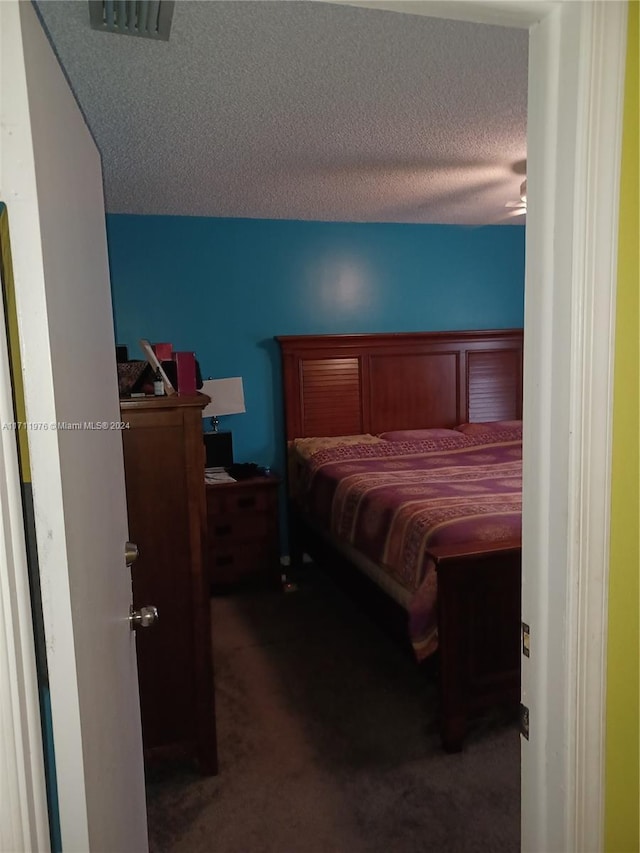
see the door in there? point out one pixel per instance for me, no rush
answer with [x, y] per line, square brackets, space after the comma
[51, 182]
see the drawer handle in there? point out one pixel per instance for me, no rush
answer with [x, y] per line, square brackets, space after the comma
[245, 502]
[223, 529]
[224, 561]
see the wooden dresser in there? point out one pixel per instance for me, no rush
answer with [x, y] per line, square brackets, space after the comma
[164, 471]
[243, 540]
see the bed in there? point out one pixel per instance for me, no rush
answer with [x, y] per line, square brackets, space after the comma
[376, 462]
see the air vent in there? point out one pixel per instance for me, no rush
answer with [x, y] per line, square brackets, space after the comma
[147, 18]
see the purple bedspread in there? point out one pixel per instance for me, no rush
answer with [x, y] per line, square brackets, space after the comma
[391, 500]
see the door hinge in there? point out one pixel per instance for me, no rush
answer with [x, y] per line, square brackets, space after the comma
[524, 721]
[526, 640]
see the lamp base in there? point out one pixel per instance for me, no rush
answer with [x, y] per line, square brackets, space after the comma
[218, 448]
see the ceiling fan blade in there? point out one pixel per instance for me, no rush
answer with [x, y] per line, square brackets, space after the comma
[511, 214]
[419, 205]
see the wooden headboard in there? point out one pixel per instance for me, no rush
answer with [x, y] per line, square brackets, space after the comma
[351, 384]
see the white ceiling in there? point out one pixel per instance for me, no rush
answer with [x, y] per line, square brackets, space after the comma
[303, 110]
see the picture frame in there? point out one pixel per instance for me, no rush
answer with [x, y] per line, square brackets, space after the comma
[152, 358]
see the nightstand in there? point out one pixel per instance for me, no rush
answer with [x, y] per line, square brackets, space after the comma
[242, 528]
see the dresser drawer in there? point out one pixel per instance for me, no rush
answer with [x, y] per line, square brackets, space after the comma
[222, 500]
[238, 527]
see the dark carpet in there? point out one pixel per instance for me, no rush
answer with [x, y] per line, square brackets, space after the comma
[328, 743]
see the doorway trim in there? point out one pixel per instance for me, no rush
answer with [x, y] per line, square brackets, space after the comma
[577, 65]
[23, 803]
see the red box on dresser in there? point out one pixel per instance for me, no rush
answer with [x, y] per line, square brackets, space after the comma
[185, 372]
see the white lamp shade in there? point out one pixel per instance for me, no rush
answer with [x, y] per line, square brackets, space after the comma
[227, 397]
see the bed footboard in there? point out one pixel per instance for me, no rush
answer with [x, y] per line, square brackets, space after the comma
[479, 617]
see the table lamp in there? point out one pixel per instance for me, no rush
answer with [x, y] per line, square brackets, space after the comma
[227, 398]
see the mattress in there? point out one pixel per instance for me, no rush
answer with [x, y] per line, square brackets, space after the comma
[387, 502]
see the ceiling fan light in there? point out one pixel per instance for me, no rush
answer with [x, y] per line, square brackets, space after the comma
[523, 191]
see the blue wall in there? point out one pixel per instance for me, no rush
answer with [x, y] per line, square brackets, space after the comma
[224, 287]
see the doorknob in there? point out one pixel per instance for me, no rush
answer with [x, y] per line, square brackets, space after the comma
[130, 553]
[143, 618]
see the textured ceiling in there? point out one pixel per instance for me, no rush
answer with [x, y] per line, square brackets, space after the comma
[303, 110]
